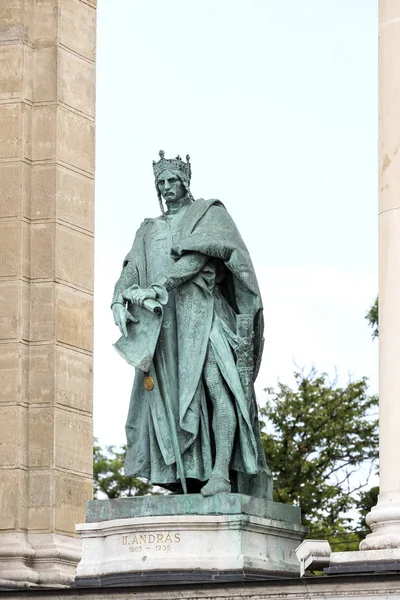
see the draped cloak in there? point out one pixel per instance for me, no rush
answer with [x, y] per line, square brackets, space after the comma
[198, 312]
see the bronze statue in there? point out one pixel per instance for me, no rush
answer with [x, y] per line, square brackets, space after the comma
[190, 313]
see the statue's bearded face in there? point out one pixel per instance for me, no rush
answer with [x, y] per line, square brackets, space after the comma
[170, 186]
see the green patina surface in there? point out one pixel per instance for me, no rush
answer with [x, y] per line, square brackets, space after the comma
[191, 504]
[190, 312]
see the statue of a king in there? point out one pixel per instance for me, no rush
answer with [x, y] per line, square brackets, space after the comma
[189, 309]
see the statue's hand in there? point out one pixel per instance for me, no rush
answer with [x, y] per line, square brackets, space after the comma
[121, 317]
[138, 295]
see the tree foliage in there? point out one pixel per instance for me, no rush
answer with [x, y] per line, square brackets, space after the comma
[367, 500]
[321, 438]
[108, 475]
[372, 317]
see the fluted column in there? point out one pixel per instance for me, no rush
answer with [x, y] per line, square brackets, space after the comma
[384, 519]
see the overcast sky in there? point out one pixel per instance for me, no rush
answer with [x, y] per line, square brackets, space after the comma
[276, 103]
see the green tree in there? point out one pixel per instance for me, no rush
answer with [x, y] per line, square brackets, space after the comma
[372, 317]
[108, 475]
[367, 500]
[319, 436]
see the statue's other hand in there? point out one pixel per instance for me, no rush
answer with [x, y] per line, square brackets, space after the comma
[138, 295]
[121, 317]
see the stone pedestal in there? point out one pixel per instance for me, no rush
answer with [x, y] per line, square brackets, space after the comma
[229, 537]
[47, 85]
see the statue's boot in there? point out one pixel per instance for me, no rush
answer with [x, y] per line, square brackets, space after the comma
[216, 485]
[223, 424]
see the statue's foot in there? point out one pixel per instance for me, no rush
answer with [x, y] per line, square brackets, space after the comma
[216, 485]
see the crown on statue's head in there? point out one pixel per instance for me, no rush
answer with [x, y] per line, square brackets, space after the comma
[172, 164]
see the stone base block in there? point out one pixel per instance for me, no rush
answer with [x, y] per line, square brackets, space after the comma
[189, 547]
[364, 561]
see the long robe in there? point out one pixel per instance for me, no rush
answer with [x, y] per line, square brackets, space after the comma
[199, 312]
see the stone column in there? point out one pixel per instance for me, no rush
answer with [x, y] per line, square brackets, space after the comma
[384, 519]
[47, 85]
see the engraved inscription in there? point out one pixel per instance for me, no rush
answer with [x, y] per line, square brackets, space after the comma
[157, 542]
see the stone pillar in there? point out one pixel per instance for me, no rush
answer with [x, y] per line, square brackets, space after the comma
[47, 85]
[384, 519]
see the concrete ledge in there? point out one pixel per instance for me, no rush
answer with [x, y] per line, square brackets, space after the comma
[364, 561]
[341, 587]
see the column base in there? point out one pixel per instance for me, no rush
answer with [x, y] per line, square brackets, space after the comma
[56, 557]
[38, 559]
[384, 521]
[16, 554]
